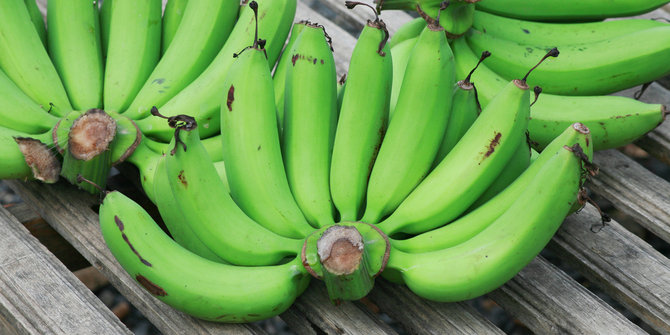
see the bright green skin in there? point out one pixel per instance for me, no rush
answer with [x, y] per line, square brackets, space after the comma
[496, 254]
[401, 53]
[37, 19]
[203, 30]
[18, 111]
[568, 10]
[25, 61]
[597, 68]
[74, 47]
[614, 121]
[361, 124]
[471, 224]
[279, 76]
[456, 19]
[133, 50]
[469, 169]
[407, 31]
[104, 17]
[552, 34]
[202, 97]
[174, 12]
[250, 142]
[309, 124]
[204, 289]
[417, 127]
[464, 112]
[213, 215]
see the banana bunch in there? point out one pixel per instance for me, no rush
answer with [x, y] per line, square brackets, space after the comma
[597, 59]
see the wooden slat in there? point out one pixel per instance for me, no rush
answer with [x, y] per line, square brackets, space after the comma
[421, 316]
[620, 263]
[634, 190]
[548, 301]
[354, 19]
[22, 212]
[39, 295]
[68, 211]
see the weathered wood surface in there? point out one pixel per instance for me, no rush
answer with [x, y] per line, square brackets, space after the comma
[39, 295]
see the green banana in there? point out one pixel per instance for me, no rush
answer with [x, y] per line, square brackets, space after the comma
[208, 290]
[204, 28]
[203, 96]
[471, 166]
[400, 55]
[456, 18]
[493, 256]
[133, 50]
[407, 31]
[174, 12]
[18, 111]
[27, 156]
[74, 47]
[37, 19]
[255, 169]
[597, 68]
[552, 34]
[212, 213]
[25, 60]
[613, 120]
[279, 75]
[310, 114]
[417, 125]
[480, 217]
[105, 17]
[568, 10]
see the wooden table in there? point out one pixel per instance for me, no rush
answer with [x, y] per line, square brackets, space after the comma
[40, 295]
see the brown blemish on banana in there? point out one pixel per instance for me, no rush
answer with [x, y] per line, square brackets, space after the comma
[42, 161]
[182, 178]
[492, 146]
[121, 226]
[381, 132]
[231, 98]
[294, 58]
[151, 286]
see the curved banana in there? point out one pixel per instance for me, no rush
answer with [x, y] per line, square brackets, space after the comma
[407, 31]
[613, 121]
[25, 60]
[456, 18]
[207, 290]
[204, 28]
[310, 114]
[133, 50]
[400, 55]
[417, 126]
[362, 121]
[172, 16]
[568, 10]
[212, 213]
[480, 217]
[279, 75]
[493, 256]
[552, 34]
[104, 16]
[37, 19]
[74, 47]
[599, 68]
[18, 111]
[202, 98]
[255, 169]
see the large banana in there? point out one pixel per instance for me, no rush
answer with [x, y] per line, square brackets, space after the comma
[203, 30]
[598, 68]
[552, 34]
[310, 114]
[255, 169]
[201, 288]
[174, 12]
[568, 10]
[74, 47]
[479, 218]
[132, 51]
[25, 60]
[212, 213]
[493, 256]
[613, 120]
[37, 19]
[202, 97]
[18, 111]
[362, 121]
[417, 125]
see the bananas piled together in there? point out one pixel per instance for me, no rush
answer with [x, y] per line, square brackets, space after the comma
[85, 87]
[319, 181]
[597, 58]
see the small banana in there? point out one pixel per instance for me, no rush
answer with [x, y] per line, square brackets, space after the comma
[172, 16]
[18, 111]
[207, 290]
[568, 10]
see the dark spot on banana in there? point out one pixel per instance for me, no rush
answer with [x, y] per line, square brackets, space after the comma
[526, 31]
[259, 148]
[294, 58]
[322, 62]
[231, 98]
[151, 286]
[158, 81]
[125, 238]
[118, 222]
[492, 146]
[253, 315]
[182, 178]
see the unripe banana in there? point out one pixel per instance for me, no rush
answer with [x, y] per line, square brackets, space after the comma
[362, 120]
[203, 30]
[208, 290]
[255, 169]
[310, 114]
[613, 121]
[600, 68]
[37, 19]
[279, 76]
[25, 60]
[407, 31]
[18, 111]
[133, 50]
[174, 12]
[417, 125]
[401, 53]
[456, 18]
[568, 10]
